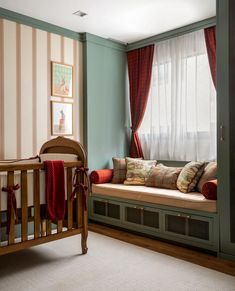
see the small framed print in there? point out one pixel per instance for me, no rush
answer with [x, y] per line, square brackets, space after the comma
[61, 80]
[61, 118]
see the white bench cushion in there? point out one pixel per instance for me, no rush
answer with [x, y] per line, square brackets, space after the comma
[193, 200]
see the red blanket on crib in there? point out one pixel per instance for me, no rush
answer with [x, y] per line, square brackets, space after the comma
[55, 190]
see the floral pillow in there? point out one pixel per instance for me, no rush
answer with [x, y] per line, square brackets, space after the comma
[189, 176]
[138, 171]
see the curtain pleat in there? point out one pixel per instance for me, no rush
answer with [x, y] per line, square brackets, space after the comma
[210, 37]
[139, 70]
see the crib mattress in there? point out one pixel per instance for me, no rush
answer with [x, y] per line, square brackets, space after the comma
[17, 178]
[193, 200]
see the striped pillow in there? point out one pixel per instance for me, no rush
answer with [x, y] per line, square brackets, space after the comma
[189, 176]
[163, 177]
[119, 170]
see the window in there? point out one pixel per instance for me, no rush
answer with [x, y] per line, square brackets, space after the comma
[180, 118]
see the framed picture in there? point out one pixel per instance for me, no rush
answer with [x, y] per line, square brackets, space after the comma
[61, 80]
[61, 118]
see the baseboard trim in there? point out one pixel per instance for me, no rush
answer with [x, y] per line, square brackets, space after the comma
[226, 256]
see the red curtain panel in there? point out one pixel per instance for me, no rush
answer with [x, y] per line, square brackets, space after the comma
[140, 71]
[210, 37]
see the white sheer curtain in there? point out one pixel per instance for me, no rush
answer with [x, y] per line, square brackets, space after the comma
[180, 119]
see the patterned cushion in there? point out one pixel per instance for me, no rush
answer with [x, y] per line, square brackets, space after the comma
[119, 171]
[189, 176]
[138, 171]
[163, 177]
[210, 173]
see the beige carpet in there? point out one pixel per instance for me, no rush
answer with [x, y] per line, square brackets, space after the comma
[109, 265]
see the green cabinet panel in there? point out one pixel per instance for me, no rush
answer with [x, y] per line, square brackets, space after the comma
[103, 208]
[225, 87]
[189, 227]
[192, 227]
[142, 217]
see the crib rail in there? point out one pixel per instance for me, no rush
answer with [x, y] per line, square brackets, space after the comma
[74, 222]
[36, 166]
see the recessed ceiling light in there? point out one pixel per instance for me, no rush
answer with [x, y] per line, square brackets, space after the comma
[80, 13]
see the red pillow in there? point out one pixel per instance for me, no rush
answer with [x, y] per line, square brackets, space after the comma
[209, 190]
[101, 176]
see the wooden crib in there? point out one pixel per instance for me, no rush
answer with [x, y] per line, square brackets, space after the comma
[75, 221]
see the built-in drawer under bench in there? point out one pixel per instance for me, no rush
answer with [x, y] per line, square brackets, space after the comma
[187, 226]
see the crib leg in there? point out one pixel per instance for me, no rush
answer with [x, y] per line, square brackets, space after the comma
[84, 233]
[84, 243]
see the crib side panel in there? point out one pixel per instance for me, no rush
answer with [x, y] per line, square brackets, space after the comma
[33, 225]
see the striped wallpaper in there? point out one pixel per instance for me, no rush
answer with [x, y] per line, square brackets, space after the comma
[25, 87]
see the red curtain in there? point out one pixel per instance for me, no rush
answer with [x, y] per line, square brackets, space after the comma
[140, 71]
[210, 37]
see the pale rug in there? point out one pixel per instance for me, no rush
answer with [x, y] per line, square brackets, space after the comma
[110, 265]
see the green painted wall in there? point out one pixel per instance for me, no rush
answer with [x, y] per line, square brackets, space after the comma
[104, 95]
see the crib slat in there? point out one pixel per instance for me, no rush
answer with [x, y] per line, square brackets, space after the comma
[59, 226]
[69, 202]
[11, 236]
[43, 227]
[24, 205]
[48, 223]
[36, 196]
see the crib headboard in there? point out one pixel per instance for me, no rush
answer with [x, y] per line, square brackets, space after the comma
[64, 145]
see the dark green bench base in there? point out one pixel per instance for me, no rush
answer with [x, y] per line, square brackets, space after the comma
[185, 226]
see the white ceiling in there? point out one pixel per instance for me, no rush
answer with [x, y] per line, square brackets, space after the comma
[123, 20]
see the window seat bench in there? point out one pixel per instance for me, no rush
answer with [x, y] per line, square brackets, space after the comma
[188, 218]
[175, 198]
